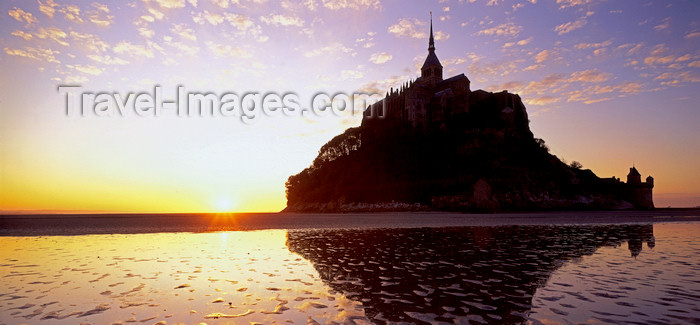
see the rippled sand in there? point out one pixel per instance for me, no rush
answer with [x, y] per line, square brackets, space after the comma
[215, 278]
[498, 274]
[628, 283]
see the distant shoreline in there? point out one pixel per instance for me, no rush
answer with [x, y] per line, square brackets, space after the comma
[673, 210]
[132, 223]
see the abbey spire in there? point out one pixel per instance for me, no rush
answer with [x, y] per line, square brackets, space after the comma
[431, 72]
[431, 42]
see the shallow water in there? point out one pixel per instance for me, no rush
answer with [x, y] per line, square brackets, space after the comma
[504, 274]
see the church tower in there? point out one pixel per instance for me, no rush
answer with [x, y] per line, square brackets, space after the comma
[431, 72]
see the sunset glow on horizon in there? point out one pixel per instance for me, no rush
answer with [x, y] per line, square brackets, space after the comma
[606, 83]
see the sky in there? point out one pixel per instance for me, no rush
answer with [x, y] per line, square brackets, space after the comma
[606, 83]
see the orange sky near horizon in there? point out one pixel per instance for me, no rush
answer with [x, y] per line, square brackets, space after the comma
[608, 84]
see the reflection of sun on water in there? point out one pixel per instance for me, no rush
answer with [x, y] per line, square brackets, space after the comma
[191, 278]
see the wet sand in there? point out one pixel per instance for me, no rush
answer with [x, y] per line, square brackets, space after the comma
[537, 274]
[81, 224]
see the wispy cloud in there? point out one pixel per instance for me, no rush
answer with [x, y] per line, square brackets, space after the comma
[379, 58]
[506, 29]
[39, 54]
[333, 48]
[22, 16]
[344, 4]
[133, 50]
[282, 20]
[409, 27]
[227, 50]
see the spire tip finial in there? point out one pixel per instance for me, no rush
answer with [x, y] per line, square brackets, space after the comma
[431, 42]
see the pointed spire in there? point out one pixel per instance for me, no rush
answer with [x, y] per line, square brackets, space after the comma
[431, 44]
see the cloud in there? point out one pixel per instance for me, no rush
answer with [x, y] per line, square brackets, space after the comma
[133, 50]
[171, 4]
[545, 55]
[635, 49]
[408, 27]
[597, 100]
[90, 41]
[221, 3]
[694, 64]
[351, 74]
[107, 60]
[333, 48]
[592, 75]
[548, 85]
[507, 29]
[572, 3]
[71, 79]
[629, 87]
[282, 20]
[522, 42]
[227, 51]
[344, 4]
[692, 35]
[48, 8]
[570, 26]
[22, 16]
[542, 100]
[182, 48]
[246, 26]
[100, 15]
[52, 33]
[86, 68]
[183, 32]
[39, 54]
[22, 34]
[512, 86]
[209, 17]
[146, 32]
[242, 23]
[441, 36]
[382, 86]
[379, 58]
[71, 13]
[584, 46]
[673, 79]
[490, 70]
[665, 24]
[684, 58]
[659, 55]
[367, 41]
[448, 62]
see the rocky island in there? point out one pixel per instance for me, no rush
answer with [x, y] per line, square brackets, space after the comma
[434, 144]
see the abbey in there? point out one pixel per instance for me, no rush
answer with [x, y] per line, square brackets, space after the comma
[431, 102]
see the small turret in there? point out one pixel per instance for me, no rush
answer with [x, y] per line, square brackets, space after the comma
[634, 177]
[650, 181]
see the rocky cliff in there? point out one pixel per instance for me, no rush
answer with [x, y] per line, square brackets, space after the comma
[476, 154]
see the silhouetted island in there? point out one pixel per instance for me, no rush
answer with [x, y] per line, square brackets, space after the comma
[434, 144]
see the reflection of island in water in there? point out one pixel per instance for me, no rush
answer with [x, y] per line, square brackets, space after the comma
[452, 274]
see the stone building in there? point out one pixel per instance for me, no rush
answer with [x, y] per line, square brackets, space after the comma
[640, 193]
[418, 102]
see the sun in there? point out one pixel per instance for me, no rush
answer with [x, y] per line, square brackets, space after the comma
[224, 204]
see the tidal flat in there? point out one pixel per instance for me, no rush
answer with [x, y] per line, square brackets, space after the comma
[506, 274]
